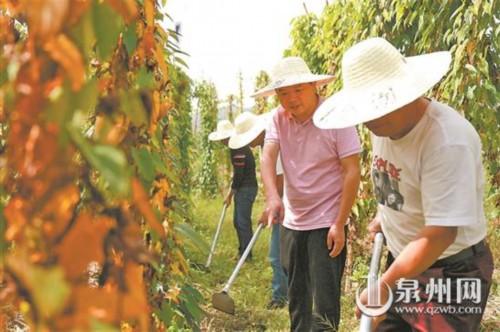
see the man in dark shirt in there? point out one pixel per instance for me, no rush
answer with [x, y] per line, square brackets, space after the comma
[244, 190]
[243, 186]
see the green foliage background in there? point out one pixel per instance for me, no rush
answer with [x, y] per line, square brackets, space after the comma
[207, 104]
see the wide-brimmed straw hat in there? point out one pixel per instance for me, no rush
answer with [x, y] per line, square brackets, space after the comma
[291, 71]
[378, 79]
[224, 130]
[247, 127]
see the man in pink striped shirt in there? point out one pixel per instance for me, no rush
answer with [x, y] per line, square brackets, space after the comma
[321, 170]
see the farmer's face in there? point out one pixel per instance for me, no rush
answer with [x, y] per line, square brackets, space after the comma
[390, 125]
[301, 100]
[399, 122]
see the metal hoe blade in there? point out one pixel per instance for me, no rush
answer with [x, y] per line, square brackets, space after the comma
[222, 301]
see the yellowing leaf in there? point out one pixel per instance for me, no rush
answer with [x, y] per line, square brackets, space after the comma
[141, 201]
[135, 304]
[149, 12]
[64, 52]
[45, 17]
[16, 215]
[58, 211]
[83, 244]
[127, 9]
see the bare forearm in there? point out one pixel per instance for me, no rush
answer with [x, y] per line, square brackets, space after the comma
[269, 173]
[269, 180]
[351, 175]
[420, 253]
[349, 192]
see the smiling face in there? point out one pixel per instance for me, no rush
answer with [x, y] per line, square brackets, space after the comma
[300, 100]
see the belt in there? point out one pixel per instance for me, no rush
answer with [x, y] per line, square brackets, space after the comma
[461, 255]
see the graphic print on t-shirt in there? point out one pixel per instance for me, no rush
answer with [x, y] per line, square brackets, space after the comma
[386, 177]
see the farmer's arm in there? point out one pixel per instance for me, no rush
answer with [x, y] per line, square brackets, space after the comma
[351, 176]
[274, 206]
[420, 253]
[279, 184]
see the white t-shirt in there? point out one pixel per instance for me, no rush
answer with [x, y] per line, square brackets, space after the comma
[433, 176]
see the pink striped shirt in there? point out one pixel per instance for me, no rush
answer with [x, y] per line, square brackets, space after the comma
[312, 169]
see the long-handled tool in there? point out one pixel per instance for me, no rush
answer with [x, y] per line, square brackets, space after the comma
[216, 236]
[222, 301]
[366, 321]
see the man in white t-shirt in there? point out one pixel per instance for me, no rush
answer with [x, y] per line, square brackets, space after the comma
[250, 130]
[428, 181]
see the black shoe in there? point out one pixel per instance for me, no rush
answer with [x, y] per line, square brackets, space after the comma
[276, 304]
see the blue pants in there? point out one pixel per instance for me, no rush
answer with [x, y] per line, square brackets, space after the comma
[242, 217]
[279, 281]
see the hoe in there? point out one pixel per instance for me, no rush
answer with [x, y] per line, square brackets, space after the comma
[222, 301]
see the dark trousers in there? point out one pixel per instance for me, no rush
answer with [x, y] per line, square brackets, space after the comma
[479, 266]
[242, 217]
[314, 279]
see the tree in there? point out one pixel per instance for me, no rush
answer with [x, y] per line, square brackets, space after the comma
[241, 94]
[206, 96]
[87, 222]
[231, 109]
[261, 104]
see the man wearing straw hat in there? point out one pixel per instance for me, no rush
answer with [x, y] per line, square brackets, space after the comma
[250, 130]
[321, 170]
[243, 185]
[431, 199]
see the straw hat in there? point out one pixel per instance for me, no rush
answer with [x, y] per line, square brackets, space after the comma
[377, 80]
[291, 71]
[224, 130]
[247, 127]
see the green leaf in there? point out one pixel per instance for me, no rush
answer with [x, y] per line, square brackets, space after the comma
[180, 61]
[145, 79]
[4, 77]
[109, 161]
[190, 236]
[145, 163]
[132, 106]
[191, 298]
[65, 103]
[97, 326]
[83, 35]
[166, 313]
[130, 38]
[112, 164]
[107, 26]
[159, 163]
